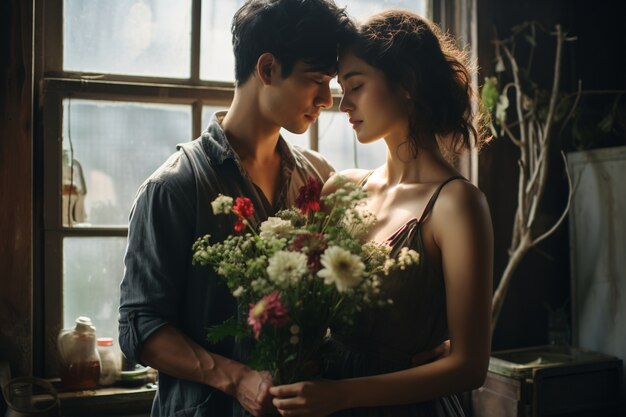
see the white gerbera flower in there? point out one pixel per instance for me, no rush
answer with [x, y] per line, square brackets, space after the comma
[287, 267]
[223, 204]
[275, 226]
[342, 268]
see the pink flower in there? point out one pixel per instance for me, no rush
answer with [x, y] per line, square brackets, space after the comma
[269, 310]
[309, 196]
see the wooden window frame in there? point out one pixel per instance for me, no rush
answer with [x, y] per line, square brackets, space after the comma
[51, 86]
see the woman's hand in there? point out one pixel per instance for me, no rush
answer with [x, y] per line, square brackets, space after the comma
[317, 398]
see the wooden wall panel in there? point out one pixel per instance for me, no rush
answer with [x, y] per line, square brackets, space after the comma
[16, 167]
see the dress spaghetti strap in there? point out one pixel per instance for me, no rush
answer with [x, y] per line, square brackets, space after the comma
[365, 178]
[433, 198]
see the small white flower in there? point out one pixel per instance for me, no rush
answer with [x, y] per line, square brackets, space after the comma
[388, 265]
[223, 204]
[341, 268]
[408, 257]
[238, 292]
[286, 267]
[275, 226]
[294, 340]
[294, 329]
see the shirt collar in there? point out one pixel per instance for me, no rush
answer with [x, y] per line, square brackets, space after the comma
[218, 148]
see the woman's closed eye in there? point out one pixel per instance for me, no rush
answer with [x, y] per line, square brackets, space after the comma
[356, 87]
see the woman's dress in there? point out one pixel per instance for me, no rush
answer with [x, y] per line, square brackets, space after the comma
[385, 339]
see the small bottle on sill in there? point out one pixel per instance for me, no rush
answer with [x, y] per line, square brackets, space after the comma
[110, 361]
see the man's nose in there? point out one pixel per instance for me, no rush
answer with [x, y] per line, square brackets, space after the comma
[324, 98]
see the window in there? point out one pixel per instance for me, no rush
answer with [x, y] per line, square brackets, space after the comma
[124, 81]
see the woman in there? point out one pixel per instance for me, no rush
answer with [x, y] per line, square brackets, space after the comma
[403, 81]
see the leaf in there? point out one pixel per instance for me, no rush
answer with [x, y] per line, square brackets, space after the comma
[501, 107]
[489, 93]
[530, 39]
[606, 124]
[229, 328]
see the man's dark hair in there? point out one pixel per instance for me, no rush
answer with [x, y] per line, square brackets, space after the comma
[291, 30]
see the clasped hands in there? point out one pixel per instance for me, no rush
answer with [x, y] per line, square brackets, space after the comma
[318, 398]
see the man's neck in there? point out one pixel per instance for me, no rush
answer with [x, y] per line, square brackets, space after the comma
[251, 135]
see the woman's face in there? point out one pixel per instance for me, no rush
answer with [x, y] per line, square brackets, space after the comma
[375, 111]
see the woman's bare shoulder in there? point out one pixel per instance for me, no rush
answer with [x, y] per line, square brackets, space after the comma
[461, 198]
[354, 175]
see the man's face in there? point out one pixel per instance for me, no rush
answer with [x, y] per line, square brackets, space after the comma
[296, 101]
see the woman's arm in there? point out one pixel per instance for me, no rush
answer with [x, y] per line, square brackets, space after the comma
[461, 228]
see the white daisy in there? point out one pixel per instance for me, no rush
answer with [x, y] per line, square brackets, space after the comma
[223, 204]
[342, 268]
[287, 267]
[275, 226]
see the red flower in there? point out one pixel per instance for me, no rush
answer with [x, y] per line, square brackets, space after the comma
[309, 196]
[239, 225]
[243, 207]
[316, 245]
[268, 310]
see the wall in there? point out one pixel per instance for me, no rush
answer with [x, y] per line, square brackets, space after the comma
[16, 179]
[544, 275]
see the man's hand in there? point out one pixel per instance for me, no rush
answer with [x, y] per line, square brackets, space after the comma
[252, 392]
[439, 352]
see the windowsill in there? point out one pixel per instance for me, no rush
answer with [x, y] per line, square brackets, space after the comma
[106, 401]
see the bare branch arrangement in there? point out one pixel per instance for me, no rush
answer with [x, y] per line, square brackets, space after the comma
[532, 130]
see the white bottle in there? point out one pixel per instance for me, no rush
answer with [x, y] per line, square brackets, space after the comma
[110, 361]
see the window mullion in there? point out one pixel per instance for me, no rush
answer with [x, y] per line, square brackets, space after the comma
[196, 119]
[53, 36]
[196, 15]
[314, 135]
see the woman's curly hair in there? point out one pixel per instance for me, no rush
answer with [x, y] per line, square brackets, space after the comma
[416, 56]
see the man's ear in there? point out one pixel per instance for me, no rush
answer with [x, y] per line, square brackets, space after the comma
[266, 65]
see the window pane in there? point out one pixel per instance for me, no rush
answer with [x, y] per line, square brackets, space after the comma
[301, 139]
[207, 113]
[116, 146]
[295, 139]
[92, 271]
[217, 61]
[339, 145]
[360, 9]
[135, 37]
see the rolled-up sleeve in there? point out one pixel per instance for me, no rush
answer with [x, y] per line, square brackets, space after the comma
[156, 262]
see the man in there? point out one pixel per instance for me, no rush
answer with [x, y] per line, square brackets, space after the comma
[285, 55]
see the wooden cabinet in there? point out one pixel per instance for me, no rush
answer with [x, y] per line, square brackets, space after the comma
[549, 381]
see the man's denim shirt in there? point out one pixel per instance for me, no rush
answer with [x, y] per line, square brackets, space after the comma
[160, 286]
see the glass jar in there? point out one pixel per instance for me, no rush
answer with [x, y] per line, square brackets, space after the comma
[79, 358]
[110, 363]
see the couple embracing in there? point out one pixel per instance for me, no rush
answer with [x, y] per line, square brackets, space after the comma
[403, 82]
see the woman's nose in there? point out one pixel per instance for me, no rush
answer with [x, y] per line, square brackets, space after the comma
[345, 105]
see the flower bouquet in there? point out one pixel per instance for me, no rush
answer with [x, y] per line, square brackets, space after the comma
[297, 273]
